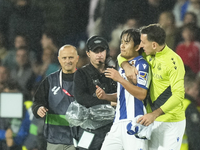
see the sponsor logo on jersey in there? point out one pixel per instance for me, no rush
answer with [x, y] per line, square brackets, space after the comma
[144, 66]
[157, 76]
[142, 77]
[55, 90]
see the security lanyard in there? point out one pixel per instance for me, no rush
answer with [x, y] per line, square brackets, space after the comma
[65, 91]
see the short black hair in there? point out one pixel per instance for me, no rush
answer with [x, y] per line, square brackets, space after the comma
[133, 34]
[155, 33]
[192, 28]
[193, 15]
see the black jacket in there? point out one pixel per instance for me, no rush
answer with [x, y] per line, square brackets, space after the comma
[50, 95]
[192, 124]
[85, 81]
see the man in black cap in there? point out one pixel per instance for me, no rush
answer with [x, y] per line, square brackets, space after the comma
[86, 80]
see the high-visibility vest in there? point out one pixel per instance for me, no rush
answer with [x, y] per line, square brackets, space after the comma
[184, 145]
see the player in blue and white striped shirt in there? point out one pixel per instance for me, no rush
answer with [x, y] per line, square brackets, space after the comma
[129, 95]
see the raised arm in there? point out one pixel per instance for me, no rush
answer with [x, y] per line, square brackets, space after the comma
[82, 92]
[134, 90]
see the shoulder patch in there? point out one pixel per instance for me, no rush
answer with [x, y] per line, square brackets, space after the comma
[142, 77]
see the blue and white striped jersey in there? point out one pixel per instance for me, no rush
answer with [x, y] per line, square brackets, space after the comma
[128, 107]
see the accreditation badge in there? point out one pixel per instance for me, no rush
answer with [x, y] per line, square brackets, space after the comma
[86, 140]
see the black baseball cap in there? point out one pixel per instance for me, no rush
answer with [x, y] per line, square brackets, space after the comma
[95, 42]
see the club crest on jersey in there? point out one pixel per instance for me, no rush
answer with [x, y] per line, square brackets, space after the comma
[132, 62]
[142, 77]
[159, 66]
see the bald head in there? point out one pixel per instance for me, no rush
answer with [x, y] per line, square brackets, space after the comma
[67, 47]
[68, 58]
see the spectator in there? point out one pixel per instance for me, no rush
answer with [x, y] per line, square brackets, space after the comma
[13, 131]
[10, 59]
[47, 66]
[193, 6]
[189, 49]
[28, 20]
[167, 21]
[131, 22]
[50, 38]
[3, 50]
[178, 12]
[4, 76]
[191, 138]
[23, 72]
[189, 18]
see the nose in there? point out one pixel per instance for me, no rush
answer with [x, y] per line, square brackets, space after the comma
[67, 60]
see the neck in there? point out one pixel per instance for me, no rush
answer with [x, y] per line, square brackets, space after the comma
[187, 42]
[68, 71]
[160, 48]
[100, 67]
[136, 55]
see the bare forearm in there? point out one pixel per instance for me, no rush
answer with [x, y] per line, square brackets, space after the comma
[157, 112]
[149, 118]
[125, 65]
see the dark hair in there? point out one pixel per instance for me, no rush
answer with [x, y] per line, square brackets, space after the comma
[193, 28]
[193, 15]
[154, 33]
[133, 34]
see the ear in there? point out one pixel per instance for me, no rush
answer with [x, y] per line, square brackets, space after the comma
[59, 59]
[77, 57]
[154, 45]
[88, 53]
[137, 47]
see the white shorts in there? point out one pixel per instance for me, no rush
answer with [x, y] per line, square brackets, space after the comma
[167, 135]
[119, 139]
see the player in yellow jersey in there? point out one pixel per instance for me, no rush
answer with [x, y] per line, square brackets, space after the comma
[165, 105]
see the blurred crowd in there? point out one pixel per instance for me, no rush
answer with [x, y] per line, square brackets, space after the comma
[32, 31]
